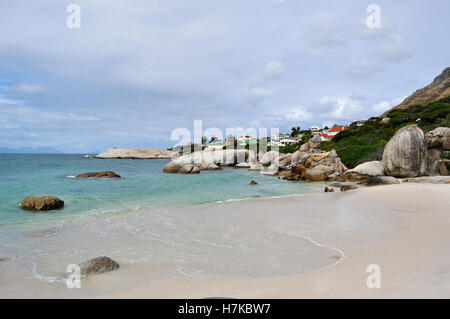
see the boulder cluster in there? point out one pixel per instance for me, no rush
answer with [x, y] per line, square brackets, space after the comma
[408, 154]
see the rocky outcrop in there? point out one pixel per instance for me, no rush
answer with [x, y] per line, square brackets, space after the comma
[256, 167]
[328, 190]
[253, 183]
[405, 155]
[134, 153]
[438, 157]
[105, 174]
[438, 89]
[285, 161]
[43, 203]
[209, 167]
[243, 165]
[318, 173]
[346, 188]
[314, 166]
[382, 180]
[210, 160]
[97, 266]
[312, 146]
[364, 171]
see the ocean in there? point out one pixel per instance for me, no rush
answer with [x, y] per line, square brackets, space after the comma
[146, 217]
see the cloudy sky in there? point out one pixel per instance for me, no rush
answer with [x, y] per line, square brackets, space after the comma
[136, 70]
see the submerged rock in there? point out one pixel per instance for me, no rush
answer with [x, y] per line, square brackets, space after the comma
[105, 174]
[42, 203]
[97, 266]
[253, 183]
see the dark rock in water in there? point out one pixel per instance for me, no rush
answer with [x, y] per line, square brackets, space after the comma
[253, 183]
[105, 174]
[348, 188]
[382, 180]
[42, 203]
[328, 190]
[97, 266]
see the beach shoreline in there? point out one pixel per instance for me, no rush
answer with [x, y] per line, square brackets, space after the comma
[402, 228]
[412, 255]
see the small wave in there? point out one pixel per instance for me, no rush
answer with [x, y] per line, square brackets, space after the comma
[50, 279]
[71, 176]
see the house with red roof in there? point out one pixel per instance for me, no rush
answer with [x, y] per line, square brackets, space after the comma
[327, 136]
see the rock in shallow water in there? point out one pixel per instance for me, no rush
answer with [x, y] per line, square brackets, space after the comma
[42, 203]
[328, 190]
[253, 183]
[97, 266]
[105, 174]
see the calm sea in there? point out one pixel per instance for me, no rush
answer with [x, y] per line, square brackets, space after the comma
[148, 221]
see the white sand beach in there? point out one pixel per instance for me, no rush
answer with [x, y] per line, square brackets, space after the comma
[402, 228]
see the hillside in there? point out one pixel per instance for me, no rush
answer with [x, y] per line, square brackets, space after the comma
[438, 89]
[364, 143]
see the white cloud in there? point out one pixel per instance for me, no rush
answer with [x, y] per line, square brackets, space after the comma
[381, 107]
[274, 69]
[28, 88]
[323, 33]
[362, 68]
[395, 49]
[256, 95]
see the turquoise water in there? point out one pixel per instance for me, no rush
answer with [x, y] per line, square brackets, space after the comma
[166, 225]
[143, 186]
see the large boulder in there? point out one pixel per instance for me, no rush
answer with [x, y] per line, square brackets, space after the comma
[303, 164]
[439, 138]
[269, 158]
[209, 167]
[318, 173]
[364, 171]
[405, 155]
[97, 266]
[256, 167]
[105, 174]
[374, 168]
[438, 141]
[270, 170]
[42, 203]
[285, 161]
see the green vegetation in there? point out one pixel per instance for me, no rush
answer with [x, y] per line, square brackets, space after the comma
[358, 144]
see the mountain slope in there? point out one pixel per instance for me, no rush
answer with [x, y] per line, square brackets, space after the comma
[437, 89]
[359, 144]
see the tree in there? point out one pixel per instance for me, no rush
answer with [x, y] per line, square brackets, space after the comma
[295, 131]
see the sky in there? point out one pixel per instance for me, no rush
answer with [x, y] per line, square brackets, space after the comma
[136, 70]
